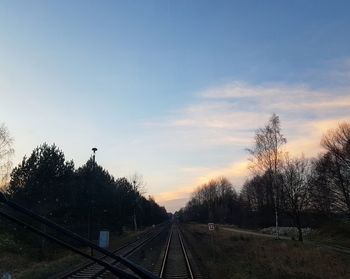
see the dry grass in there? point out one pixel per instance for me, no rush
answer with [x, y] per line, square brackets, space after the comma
[22, 261]
[242, 256]
[335, 233]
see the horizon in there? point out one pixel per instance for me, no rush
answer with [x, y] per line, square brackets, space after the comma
[173, 91]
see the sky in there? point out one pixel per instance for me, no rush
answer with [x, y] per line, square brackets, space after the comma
[173, 90]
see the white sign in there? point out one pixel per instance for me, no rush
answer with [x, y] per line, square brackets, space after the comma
[211, 226]
[104, 239]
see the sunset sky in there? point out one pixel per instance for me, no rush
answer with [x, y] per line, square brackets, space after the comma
[172, 89]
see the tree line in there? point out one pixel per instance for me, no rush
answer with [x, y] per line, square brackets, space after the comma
[85, 199]
[282, 190]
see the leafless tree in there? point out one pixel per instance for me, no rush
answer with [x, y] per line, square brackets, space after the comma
[296, 188]
[6, 152]
[138, 183]
[322, 195]
[139, 187]
[337, 144]
[267, 156]
[213, 201]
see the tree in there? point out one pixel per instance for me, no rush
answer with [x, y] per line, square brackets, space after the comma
[139, 185]
[337, 144]
[267, 155]
[96, 191]
[296, 188]
[6, 151]
[215, 201]
[322, 196]
[46, 183]
[256, 194]
[139, 188]
[40, 182]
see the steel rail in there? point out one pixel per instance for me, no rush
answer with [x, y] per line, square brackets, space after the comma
[89, 264]
[175, 247]
[165, 257]
[130, 252]
[189, 268]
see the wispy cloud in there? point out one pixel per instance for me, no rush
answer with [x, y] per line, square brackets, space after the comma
[175, 199]
[226, 117]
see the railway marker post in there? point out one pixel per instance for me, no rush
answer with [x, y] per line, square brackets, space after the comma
[211, 227]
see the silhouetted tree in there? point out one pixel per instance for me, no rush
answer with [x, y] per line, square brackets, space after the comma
[296, 188]
[267, 155]
[41, 181]
[337, 144]
[215, 201]
[322, 196]
[139, 188]
[88, 198]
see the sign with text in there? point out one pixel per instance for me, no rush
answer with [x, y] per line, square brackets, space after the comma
[211, 226]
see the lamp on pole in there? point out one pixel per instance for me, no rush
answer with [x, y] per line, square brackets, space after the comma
[94, 149]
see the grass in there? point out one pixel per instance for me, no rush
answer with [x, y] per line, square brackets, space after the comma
[335, 233]
[242, 256]
[45, 269]
[24, 261]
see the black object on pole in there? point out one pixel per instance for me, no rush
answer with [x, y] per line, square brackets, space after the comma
[91, 203]
[143, 273]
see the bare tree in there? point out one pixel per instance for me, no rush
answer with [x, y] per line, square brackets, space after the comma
[267, 155]
[337, 143]
[296, 188]
[323, 196]
[6, 152]
[138, 183]
[214, 201]
[139, 187]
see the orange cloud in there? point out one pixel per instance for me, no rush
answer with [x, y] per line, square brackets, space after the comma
[225, 118]
[309, 136]
[236, 172]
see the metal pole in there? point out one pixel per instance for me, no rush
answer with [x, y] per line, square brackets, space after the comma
[90, 212]
[135, 221]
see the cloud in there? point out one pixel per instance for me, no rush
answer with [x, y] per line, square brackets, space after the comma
[175, 204]
[223, 120]
[228, 115]
[236, 172]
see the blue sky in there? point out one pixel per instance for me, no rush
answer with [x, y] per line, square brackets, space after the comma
[171, 89]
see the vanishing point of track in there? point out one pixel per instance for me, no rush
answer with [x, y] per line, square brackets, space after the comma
[176, 263]
[175, 260]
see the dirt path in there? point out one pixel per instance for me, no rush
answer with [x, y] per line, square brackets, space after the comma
[321, 245]
[253, 233]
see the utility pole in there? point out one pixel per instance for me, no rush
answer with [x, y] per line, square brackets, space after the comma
[90, 199]
[135, 202]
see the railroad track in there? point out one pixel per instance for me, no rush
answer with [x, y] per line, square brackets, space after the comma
[176, 261]
[93, 270]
